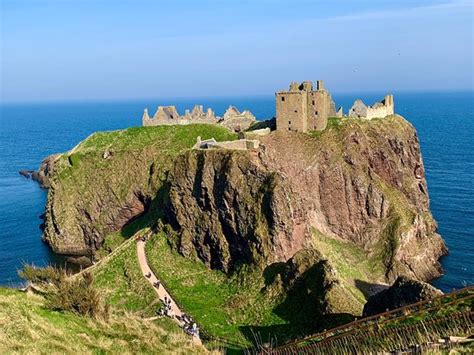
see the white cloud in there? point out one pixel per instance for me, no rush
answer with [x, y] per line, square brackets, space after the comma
[411, 11]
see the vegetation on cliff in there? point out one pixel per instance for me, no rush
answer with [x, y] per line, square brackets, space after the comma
[111, 178]
[280, 242]
[271, 305]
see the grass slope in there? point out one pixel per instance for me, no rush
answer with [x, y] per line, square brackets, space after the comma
[27, 327]
[120, 279]
[225, 307]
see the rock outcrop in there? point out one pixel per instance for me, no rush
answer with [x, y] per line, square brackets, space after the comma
[42, 174]
[228, 210]
[312, 287]
[362, 183]
[358, 182]
[110, 179]
[404, 291]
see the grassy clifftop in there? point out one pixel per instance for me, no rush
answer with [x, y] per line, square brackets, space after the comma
[110, 178]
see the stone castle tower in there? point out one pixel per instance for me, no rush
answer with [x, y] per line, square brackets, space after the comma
[303, 109]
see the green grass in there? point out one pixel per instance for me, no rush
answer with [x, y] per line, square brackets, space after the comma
[350, 261]
[27, 327]
[225, 307]
[123, 284]
[175, 137]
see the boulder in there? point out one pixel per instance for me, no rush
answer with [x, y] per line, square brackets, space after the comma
[404, 291]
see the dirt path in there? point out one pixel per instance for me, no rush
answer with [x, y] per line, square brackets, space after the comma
[160, 291]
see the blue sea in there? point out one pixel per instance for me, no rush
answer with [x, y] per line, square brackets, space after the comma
[30, 132]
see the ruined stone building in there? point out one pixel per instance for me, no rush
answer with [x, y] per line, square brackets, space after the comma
[303, 109]
[239, 144]
[168, 115]
[233, 119]
[237, 121]
[380, 109]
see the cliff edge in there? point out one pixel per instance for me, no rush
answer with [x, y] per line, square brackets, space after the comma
[349, 203]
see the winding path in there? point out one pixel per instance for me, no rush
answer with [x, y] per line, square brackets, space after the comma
[160, 291]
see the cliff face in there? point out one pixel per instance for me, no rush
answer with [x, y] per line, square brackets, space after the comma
[229, 210]
[358, 182]
[364, 182]
[108, 180]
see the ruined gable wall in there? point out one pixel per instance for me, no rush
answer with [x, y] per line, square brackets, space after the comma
[379, 111]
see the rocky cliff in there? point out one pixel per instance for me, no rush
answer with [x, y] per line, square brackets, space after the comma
[229, 210]
[355, 192]
[360, 183]
[110, 179]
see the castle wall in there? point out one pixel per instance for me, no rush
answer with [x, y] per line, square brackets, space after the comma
[291, 111]
[302, 109]
[233, 119]
[320, 107]
[380, 109]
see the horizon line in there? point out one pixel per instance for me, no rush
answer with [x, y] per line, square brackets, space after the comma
[225, 96]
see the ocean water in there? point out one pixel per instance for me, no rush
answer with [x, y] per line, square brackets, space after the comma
[30, 132]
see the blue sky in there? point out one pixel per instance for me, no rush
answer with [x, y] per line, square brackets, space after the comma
[128, 49]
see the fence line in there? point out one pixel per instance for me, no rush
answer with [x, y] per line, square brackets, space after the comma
[393, 313]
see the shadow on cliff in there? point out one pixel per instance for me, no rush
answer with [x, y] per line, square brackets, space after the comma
[151, 216]
[303, 306]
[368, 289]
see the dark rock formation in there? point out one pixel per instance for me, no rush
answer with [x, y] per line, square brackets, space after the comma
[228, 210]
[403, 292]
[42, 174]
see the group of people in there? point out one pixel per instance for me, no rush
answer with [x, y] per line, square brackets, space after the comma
[189, 326]
[186, 322]
[166, 310]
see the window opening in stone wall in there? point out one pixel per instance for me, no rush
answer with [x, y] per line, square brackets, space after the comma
[282, 98]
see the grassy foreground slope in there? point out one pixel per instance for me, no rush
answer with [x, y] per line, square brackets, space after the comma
[120, 279]
[225, 307]
[27, 327]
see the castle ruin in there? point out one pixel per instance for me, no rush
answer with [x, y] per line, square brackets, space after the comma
[168, 115]
[233, 119]
[380, 109]
[302, 109]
